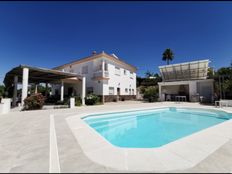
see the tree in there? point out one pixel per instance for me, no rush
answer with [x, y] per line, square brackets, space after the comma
[149, 74]
[2, 90]
[210, 73]
[168, 55]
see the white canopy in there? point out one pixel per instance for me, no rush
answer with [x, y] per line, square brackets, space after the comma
[185, 71]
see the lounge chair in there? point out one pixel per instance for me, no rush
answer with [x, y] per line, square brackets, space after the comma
[222, 103]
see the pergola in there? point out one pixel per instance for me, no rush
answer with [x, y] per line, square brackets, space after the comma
[29, 74]
[189, 76]
[185, 71]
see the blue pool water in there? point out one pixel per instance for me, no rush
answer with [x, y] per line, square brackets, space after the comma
[153, 127]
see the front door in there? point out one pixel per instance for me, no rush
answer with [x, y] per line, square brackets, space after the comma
[118, 91]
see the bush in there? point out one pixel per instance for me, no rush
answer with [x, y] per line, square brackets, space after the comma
[91, 99]
[35, 101]
[78, 101]
[151, 94]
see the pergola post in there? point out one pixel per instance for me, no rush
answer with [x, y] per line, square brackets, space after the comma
[62, 91]
[36, 88]
[25, 84]
[15, 90]
[83, 91]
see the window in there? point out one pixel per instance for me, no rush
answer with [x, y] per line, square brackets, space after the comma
[124, 72]
[111, 90]
[117, 71]
[126, 90]
[131, 75]
[133, 92]
[129, 91]
[106, 66]
[89, 90]
[84, 70]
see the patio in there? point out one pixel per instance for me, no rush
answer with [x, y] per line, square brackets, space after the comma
[22, 152]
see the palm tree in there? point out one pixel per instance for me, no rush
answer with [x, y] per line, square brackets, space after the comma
[168, 55]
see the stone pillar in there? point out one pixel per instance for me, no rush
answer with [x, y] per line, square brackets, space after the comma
[25, 84]
[83, 90]
[62, 91]
[15, 90]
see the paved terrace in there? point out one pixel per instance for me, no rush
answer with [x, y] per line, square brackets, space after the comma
[25, 144]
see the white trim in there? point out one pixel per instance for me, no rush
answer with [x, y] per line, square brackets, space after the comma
[181, 154]
[54, 163]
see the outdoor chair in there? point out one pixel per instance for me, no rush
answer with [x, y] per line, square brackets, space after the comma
[222, 103]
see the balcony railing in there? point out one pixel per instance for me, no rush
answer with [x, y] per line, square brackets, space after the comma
[101, 74]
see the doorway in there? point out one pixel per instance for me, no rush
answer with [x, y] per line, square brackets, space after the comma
[118, 91]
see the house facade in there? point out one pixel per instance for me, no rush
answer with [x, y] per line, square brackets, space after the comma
[106, 76]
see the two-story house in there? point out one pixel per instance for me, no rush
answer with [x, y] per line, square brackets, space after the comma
[106, 76]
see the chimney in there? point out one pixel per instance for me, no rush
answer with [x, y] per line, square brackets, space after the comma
[94, 52]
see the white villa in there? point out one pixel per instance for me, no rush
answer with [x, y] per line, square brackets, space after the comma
[186, 81]
[106, 75]
[102, 74]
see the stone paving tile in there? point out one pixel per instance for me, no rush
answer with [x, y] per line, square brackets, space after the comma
[24, 143]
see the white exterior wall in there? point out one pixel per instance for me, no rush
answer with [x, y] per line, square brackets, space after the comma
[192, 88]
[122, 81]
[202, 87]
[101, 87]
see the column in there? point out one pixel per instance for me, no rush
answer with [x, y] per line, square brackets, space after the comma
[36, 88]
[103, 75]
[192, 90]
[25, 84]
[160, 94]
[15, 90]
[62, 91]
[83, 91]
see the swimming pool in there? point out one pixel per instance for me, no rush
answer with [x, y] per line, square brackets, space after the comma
[153, 127]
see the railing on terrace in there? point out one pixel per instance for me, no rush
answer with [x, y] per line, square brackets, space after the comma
[101, 74]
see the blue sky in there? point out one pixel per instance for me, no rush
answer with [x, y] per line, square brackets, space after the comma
[48, 34]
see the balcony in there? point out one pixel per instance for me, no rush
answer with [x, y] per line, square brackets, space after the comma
[101, 75]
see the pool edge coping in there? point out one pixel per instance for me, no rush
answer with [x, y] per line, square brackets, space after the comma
[102, 152]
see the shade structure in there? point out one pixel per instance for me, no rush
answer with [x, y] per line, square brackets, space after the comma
[37, 75]
[195, 70]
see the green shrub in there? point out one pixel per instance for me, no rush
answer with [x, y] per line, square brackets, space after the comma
[78, 101]
[35, 101]
[151, 94]
[91, 99]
